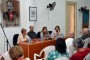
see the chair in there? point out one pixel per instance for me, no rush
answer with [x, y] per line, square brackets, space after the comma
[15, 37]
[50, 32]
[46, 51]
[86, 42]
[38, 34]
[87, 57]
[71, 50]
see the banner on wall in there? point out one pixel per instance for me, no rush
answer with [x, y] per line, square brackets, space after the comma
[85, 22]
[11, 13]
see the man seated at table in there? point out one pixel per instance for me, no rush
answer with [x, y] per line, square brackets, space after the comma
[31, 33]
[23, 37]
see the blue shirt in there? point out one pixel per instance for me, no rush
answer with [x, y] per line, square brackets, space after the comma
[55, 54]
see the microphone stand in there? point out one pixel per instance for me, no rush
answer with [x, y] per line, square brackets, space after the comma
[7, 42]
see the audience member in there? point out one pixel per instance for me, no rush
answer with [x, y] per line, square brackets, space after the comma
[81, 52]
[23, 36]
[69, 43]
[87, 42]
[31, 33]
[85, 37]
[60, 50]
[57, 33]
[15, 53]
[44, 33]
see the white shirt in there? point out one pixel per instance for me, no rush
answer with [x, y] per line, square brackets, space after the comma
[69, 44]
[20, 38]
[69, 41]
[57, 36]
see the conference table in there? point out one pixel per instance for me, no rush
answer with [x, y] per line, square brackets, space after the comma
[35, 47]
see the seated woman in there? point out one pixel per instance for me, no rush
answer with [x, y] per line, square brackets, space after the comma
[15, 53]
[23, 37]
[57, 33]
[60, 50]
[44, 33]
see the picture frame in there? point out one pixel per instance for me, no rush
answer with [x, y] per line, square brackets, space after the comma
[32, 13]
[10, 18]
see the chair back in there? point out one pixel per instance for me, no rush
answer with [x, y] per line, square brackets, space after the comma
[15, 38]
[5, 56]
[38, 34]
[87, 57]
[50, 32]
[46, 51]
[71, 50]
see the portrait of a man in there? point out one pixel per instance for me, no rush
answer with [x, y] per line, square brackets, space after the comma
[11, 15]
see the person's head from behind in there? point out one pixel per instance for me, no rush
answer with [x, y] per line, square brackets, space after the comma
[31, 28]
[70, 34]
[85, 31]
[23, 31]
[78, 43]
[57, 28]
[16, 52]
[10, 5]
[44, 30]
[60, 45]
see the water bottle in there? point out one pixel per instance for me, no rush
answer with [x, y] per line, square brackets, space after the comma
[29, 39]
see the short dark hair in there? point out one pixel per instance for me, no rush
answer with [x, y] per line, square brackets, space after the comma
[60, 45]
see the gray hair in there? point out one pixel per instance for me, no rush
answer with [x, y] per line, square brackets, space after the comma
[78, 43]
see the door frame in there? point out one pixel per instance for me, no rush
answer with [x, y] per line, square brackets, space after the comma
[75, 3]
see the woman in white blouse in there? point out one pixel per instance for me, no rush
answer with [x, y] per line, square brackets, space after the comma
[57, 33]
[23, 37]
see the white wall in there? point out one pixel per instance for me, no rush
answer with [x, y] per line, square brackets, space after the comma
[81, 3]
[50, 18]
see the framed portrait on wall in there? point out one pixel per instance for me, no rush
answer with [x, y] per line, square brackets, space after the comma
[11, 13]
[32, 13]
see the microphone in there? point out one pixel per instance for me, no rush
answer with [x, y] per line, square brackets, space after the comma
[1, 24]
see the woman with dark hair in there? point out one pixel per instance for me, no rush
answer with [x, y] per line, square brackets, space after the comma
[44, 33]
[60, 50]
[57, 33]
